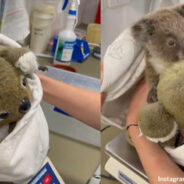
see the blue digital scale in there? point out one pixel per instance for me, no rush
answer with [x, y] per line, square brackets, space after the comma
[47, 175]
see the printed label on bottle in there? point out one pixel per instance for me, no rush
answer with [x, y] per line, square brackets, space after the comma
[64, 50]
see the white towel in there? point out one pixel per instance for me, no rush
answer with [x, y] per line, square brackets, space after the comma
[4, 40]
[177, 154]
[123, 65]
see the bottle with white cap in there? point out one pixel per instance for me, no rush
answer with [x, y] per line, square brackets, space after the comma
[67, 37]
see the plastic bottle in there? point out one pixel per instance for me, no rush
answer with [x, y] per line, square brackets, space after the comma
[67, 38]
[41, 21]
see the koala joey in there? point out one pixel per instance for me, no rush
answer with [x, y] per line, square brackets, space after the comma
[161, 34]
[16, 66]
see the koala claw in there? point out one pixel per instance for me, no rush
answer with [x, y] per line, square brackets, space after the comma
[27, 63]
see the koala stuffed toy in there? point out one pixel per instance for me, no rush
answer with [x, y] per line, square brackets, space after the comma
[161, 120]
[24, 135]
[15, 94]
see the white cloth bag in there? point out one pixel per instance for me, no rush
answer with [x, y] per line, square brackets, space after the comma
[23, 151]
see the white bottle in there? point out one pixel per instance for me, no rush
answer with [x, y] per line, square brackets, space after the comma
[41, 21]
[66, 40]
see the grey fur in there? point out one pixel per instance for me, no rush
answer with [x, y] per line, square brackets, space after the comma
[161, 33]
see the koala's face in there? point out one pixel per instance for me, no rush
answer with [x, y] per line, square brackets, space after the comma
[15, 95]
[162, 33]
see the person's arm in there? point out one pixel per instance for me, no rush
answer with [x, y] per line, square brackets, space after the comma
[154, 159]
[82, 104]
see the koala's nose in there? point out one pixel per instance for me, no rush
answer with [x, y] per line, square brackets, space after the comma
[24, 106]
[4, 115]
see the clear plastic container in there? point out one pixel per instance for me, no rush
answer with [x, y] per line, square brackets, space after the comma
[74, 79]
[41, 21]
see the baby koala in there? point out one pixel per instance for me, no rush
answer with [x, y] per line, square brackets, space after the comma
[16, 66]
[161, 34]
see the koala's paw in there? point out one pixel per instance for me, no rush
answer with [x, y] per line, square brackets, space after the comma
[27, 63]
[156, 124]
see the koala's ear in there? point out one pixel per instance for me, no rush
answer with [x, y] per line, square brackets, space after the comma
[143, 29]
[180, 10]
[3, 52]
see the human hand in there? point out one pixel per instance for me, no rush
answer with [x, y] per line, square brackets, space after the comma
[138, 101]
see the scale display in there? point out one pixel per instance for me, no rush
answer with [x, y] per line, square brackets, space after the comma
[45, 176]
